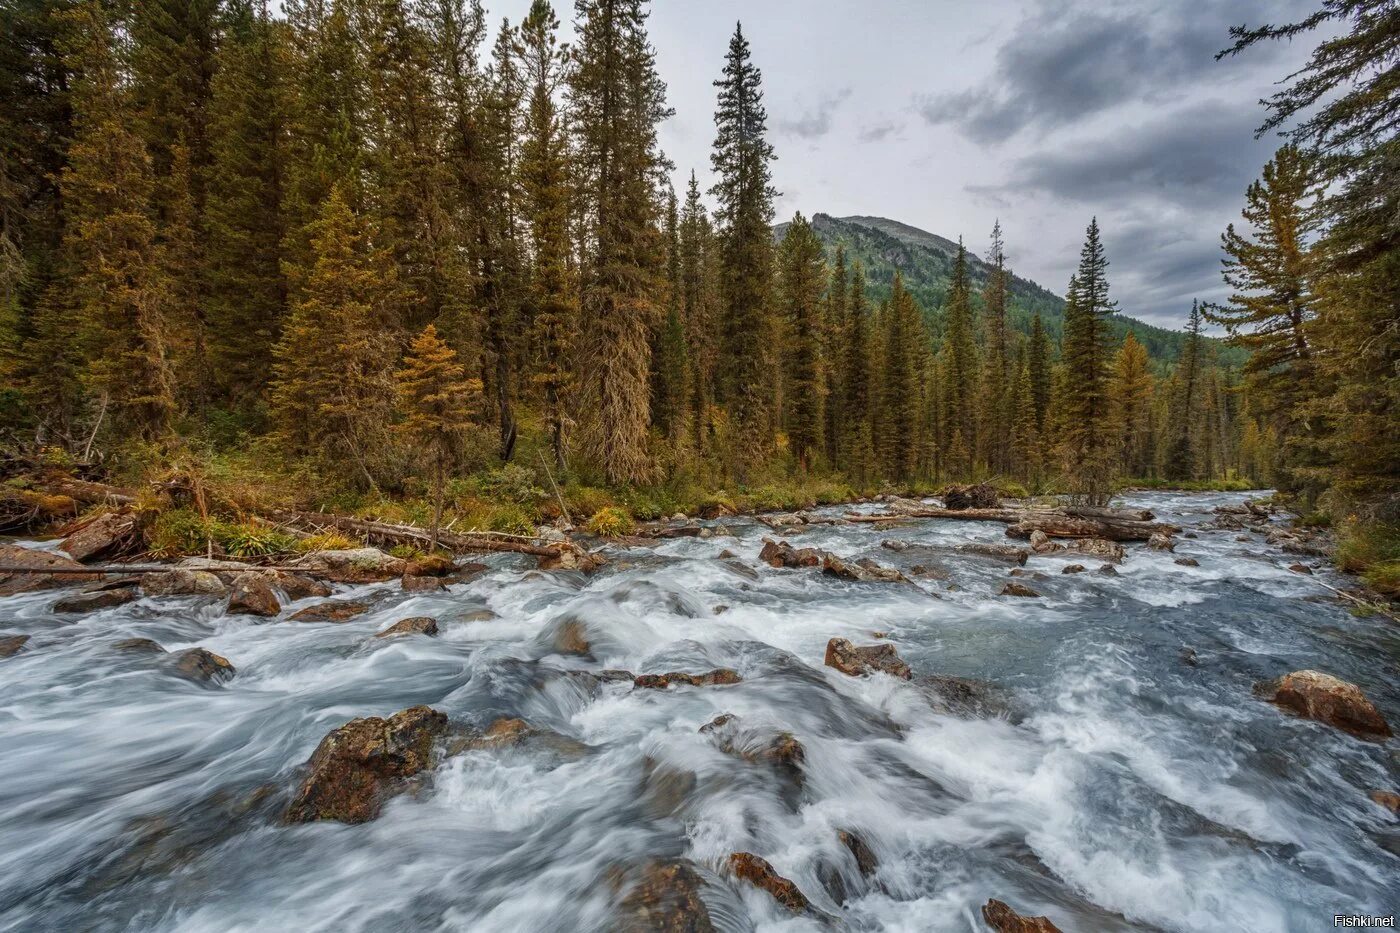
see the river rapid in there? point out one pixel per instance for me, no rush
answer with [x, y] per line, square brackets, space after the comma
[1121, 789]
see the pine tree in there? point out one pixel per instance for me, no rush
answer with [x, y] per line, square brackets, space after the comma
[546, 193]
[834, 328]
[857, 382]
[804, 278]
[434, 402]
[1038, 367]
[745, 194]
[902, 392]
[1132, 400]
[1084, 404]
[668, 388]
[332, 386]
[698, 301]
[1181, 456]
[119, 292]
[961, 368]
[618, 102]
[996, 405]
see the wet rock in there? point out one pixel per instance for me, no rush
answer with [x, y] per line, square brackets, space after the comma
[299, 586]
[335, 611]
[571, 637]
[467, 572]
[359, 765]
[720, 676]
[1191, 534]
[511, 732]
[1301, 568]
[980, 496]
[478, 615]
[1188, 657]
[854, 661]
[1100, 548]
[182, 582]
[1040, 542]
[665, 899]
[573, 557]
[861, 571]
[834, 878]
[1003, 552]
[894, 544]
[1012, 588]
[928, 572]
[430, 565]
[963, 696]
[866, 862]
[1327, 699]
[417, 625]
[1160, 542]
[103, 536]
[31, 566]
[251, 594]
[354, 565]
[741, 568]
[421, 584]
[1003, 919]
[138, 646]
[1108, 570]
[201, 666]
[781, 750]
[1187, 562]
[719, 609]
[782, 554]
[11, 643]
[1073, 568]
[91, 602]
[760, 874]
[1387, 799]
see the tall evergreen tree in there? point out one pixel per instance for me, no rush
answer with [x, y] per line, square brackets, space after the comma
[857, 382]
[1132, 401]
[961, 368]
[904, 343]
[804, 278]
[996, 405]
[1084, 404]
[668, 388]
[1183, 427]
[1038, 369]
[698, 307]
[834, 330]
[745, 194]
[618, 102]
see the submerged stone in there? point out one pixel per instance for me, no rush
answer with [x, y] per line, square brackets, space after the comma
[1003, 919]
[756, 871]
[853, 661]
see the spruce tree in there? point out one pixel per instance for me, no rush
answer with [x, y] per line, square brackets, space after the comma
[435, 407]
[857, 382]
[618, 101]
[904, 343]
[1084, 405]
[698, 291]
[668, 387]
[1182, 455]
[1038, 367]
[834, 328]
[1132, 400]
[1025, 460]
[745, 194]
[996, 405]
[803, 280]
[961, 368]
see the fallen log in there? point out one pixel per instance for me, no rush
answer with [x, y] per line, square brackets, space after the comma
[1112, 515]
[470, 542]
[1056, 524]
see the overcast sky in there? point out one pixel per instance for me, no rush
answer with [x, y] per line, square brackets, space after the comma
[948, 115]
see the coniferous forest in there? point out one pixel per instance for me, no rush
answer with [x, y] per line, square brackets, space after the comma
[388, 248]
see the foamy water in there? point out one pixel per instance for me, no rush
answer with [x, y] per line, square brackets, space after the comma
[1124, 790]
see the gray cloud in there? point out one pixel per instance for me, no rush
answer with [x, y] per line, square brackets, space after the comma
[879, 132]
[815, 122]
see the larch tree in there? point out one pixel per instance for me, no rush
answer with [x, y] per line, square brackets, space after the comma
[803, 272]
[618, 101]
[1084, 406]
[435, 408]
[1132, 401]
[745, 193]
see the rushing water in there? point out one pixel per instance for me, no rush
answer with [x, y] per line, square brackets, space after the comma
[1127, 790]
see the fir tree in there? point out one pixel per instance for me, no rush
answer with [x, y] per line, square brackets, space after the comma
[434, 403]
[668, 391]
[745, 194]
[1181, 456]
[698, 300]
[1038, 368]
[804, 278]
[998, 411]
[961, 369]
[904, 340]
[835, 325]
[856, 382]
[1132, 400]
[1025, 448]
[1084, 404]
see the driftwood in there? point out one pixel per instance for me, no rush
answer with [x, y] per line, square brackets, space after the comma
[1055, 524]
[474, 541]
[1112, 515]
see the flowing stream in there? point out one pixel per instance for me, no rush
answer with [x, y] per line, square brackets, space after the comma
[1122, 788]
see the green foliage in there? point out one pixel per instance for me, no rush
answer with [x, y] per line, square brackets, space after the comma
[251, 540]
[610, 522]
[326, 541]
[511, 519]
[183, 532]
[513, 483]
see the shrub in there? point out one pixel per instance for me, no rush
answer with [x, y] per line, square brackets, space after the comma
[326, 541]
[180, 532]
[405, 551]
[610, 522]
[511, 519]
[249, 540]
[513, 483]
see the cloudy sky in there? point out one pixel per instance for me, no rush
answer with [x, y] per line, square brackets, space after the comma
[948, 115]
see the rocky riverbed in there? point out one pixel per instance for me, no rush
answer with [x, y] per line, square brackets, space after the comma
[912, 725]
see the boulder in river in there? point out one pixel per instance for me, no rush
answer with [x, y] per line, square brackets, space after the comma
[11, 643]
[854, 661]
[202, 666]
[359, 765]
[834, 876]
[963, 696]
[1003, 919]
[251, 594]
[861, 571]
[412, 583]
[1160, 542]
[1327, 699]
[1012, 588]
[91, 602]
[665, 898]
[335, 610]
[296, 586]
[782, 554]
[354, 565]
[1304, 569]
[1072, 568]
[30, 565]
[1005, 552]
[180, 581]
[139, 646]
[1389, 800]
[720, 676]
[979, 496]
[103, 536]
[756, 871]
[417, 625]
[1187, 562]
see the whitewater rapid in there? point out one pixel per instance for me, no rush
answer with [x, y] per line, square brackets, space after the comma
[1123, 789]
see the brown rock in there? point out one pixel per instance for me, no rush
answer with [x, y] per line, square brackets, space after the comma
[299, 586]
[866, 862]
[572, 557]
[11, 643]
[1160, 542]
[1073, 568]
[197, 664]
[571, 637]
[980, 496]
[1003, 919]
[760, 874]
[1012, 588]
[1301, 568]
[107, 534]
[1388, 799]
[1188, 657]
[864, 570]
[963, 696]
[91, 602]
[32, 564]
[251, 594]
[421, 584]
[1319, 696]
[782, 554]
[336, 610]
[1040, 542]
[665, 899]
[478, 615]
[853, 661]
[1108, 570]
[418, 625]
[359, 765]
[182, 582]
[1007, 552]
[354, 565]
[1187, 562]
[430, 565]
[721, 676]
[139, 646]
[1101, 548]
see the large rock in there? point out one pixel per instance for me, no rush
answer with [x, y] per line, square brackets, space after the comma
[980, 496]
[336, 610]
[1160, 542]
[760, 874]
[1387, 799]
[1005, 552]
[963, 696]
[201, 666]
[354, 565]
[91, 602]
[359, 765]
[779, 750]
[103, 536]
[11, 643]
[1003, 919]
[1319, 696]
[854, 661]
[251, 594]
[665, 899]
[864, 570]
[782, 554]
[418, 583]
[720, 676]
[30, 566]
[183, 582]
[1012, 588]
[296, 586]
[418, 625]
